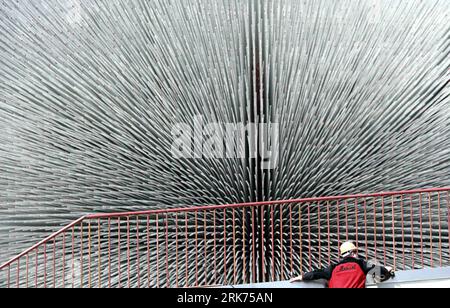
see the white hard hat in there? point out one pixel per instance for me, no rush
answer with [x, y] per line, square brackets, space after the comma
[348, 247]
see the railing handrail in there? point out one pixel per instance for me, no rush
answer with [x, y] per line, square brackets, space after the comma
[219, 207]
[44, 241]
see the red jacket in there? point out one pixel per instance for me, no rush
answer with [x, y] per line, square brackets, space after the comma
[349, 275]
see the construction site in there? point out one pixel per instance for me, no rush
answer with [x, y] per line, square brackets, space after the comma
[223, 143]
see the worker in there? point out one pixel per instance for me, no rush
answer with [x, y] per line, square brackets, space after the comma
[350, 273]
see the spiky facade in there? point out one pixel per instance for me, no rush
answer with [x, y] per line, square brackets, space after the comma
[90, 90]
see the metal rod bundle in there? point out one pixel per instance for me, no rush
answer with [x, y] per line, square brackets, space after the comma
[90, 92]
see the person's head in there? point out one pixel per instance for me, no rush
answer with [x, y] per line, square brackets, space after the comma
[348, 249]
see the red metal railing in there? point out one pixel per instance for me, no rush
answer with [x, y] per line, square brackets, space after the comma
[236, 244]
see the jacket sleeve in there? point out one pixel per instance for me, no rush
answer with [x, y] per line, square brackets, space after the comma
[325, 273]
[367, 267]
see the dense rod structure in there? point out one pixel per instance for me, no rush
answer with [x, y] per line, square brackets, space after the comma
[90, 91]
